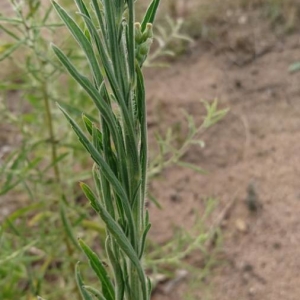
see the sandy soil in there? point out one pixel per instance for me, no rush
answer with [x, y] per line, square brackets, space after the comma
[255, 148]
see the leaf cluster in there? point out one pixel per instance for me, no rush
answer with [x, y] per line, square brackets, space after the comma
[117, 143]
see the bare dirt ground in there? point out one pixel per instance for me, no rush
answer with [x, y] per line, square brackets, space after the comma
[255, 148]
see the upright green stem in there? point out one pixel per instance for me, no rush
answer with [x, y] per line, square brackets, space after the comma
[31, 25]
[44, 87]
[119, 147]
[51, 133]
[53, 143]
[32, 44]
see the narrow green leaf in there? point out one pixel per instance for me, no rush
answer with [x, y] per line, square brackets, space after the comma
[75, 111]
[31, 166]
[149, 286]
[7, 51]
[105, 168]
[11, 20]
[142, 114]
[150, 14]
[67, 226]
[94, 292]
[97, 139]
[115, 260]
[121, 239]
[91, 197]
[295, 67]
[20, 213]
[98, 11]
[50, 25]
[1, 235]
[82, 41]
[105, 59]
[143, 240]
[56, 161]
[110, 15]
[15, 165]
[88, 124]
[103, 107]
[128, 123]
[47, 14]
[9, 32]
[154, 201]
[120, 9]
[131, 40]
[82, 8]
[17, 253]
[84, 293]
[98, 135]
[108, 173]
[192, 167]
[100, 271]
[103, 191]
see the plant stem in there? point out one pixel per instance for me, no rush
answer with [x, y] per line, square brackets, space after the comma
[119, 148]
[52, 140]
[50, 128]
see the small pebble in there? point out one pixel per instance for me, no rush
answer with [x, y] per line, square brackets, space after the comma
[277, 245]
[241, 225]
[175, 197]
[252, 291]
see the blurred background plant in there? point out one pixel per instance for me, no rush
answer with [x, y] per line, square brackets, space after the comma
[170, 262]
[40, 212]
[170, 41]
[38, 155]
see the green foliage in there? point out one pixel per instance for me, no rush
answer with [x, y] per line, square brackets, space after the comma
[115, 51]
[169, 154]
[283, 14]
[170, 41]
[294, 67]
[166, 261]
[31, 172]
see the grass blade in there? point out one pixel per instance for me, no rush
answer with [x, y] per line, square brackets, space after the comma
[94, 292]
[119, 236]
[97, 158]
[103, 107]
[142, 115]
[85, 295]
[67, 226]
[100, 271]
[7, 51]
[82, 41]
[150, 14]
[192, 167]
